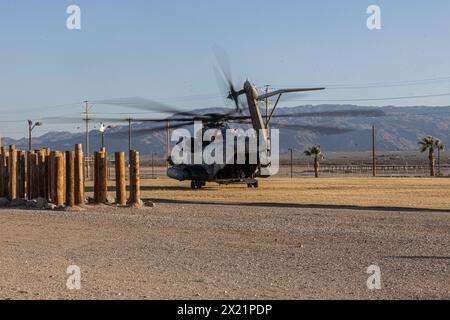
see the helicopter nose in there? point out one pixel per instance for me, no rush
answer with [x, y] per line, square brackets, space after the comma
[177, 174]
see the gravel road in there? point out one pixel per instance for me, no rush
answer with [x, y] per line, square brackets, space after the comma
[196, 251]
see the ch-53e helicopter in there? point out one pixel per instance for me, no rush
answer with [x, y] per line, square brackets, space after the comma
[227, 172]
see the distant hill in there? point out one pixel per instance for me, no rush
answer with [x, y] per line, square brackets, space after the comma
[399, 130]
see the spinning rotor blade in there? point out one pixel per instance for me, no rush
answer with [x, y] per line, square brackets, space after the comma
[337, 113]
[225, 77]
[144, 104]
[341, 113]
[322, 130]
[62, 120]
[140, 132]
[112, 120]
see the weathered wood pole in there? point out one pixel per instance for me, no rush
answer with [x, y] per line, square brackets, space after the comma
[6, 182]
[121, 180]
[28, 176]
[53, 176]
[102, 176]
[70, 178]
[21, 174]
[12, 173]
[48, 179]
[3, 170]
[79, 175]
[96, 182]
[135, 182]
[18, 175]
[41, 174]
[6, 175]
[1, 175]
[34, 180]
[64, 175]
[59, 172]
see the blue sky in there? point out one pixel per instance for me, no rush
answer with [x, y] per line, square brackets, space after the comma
[163, 50]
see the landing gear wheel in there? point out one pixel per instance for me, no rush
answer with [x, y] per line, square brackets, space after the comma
[253, 185]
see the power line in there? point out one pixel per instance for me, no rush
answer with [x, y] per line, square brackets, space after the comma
[374, 99]
[391, 84]
[384, 84]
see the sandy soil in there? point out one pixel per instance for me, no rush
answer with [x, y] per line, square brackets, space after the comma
[205, 251]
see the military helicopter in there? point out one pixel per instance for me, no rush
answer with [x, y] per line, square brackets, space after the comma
[248, 114]
[231, 172]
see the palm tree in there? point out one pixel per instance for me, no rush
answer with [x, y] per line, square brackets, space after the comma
[429, 144]
[440, 147]
[315, 152]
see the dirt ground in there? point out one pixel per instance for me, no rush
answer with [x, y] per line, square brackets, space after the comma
[303, 239]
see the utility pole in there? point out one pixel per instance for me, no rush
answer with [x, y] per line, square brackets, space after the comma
[374, 169]
[31, 126]
[86, 118]
[129, 133]
[291, 164]
[103, 129]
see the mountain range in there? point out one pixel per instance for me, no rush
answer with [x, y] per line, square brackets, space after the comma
[399, 129]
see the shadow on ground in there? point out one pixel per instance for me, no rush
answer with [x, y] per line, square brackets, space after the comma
[300, 206]
[146, 188]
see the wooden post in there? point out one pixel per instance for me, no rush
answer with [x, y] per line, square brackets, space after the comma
[41, 174]
[96, 186]
[70, 178]
[53, 176]
[102, 176]
[12, 173]
[135, 182]
[2, 171]
[59, 173]
[64, 176]
[34, 180]
[6, 174]
[28, 176]
[48, 179]
[1, 175]
[21, 175]
[121, 187]
[79, 175]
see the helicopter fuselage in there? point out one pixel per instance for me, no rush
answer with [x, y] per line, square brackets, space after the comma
[228, 171]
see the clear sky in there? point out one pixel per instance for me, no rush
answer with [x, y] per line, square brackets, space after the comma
[163, 50]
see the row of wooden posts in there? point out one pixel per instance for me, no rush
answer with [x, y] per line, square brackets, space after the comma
[60, 177]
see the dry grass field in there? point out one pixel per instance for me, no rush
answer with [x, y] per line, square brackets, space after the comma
[389, 193]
